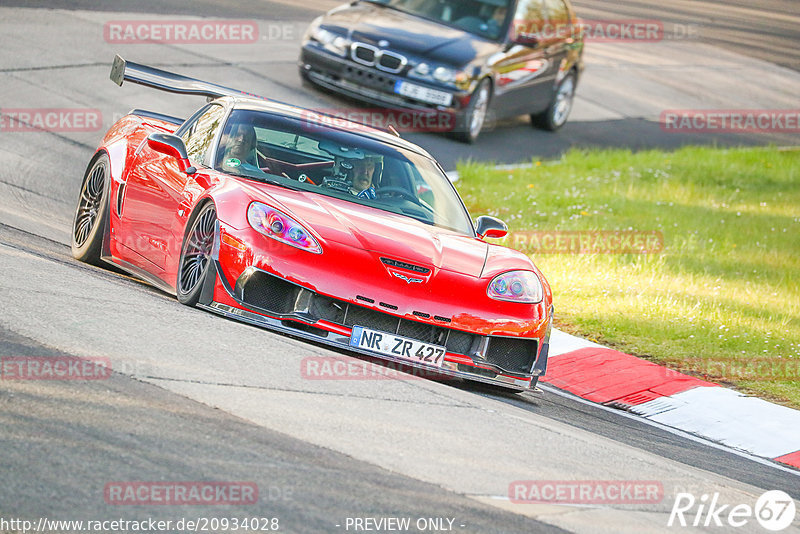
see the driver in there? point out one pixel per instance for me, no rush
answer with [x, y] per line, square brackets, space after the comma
[362, 176]
[240, 148]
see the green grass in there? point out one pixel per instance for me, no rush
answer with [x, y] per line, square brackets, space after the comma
[724, 293]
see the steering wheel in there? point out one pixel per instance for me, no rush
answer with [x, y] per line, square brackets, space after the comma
[391, 190]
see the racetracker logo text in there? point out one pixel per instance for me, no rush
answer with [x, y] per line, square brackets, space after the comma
[380, 119]
[588, 242]
[56, 368]
[586, 491]
[731, 120]
[181, 31]
[50, 120]
[181, 493]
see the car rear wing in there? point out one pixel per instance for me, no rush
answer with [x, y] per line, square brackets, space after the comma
[122, 71]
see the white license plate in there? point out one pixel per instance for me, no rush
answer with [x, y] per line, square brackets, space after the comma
[397, 346]
[422, 93]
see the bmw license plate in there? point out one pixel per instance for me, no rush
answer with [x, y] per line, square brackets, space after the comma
[425, 94]
[397, 346]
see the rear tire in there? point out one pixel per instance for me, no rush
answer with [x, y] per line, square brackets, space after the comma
[91, 215]
[196, 264]
[557, 113]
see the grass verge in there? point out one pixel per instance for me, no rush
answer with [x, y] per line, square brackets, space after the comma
[721, 300]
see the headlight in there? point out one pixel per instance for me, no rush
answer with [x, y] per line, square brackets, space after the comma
[280, 227]
[330, 41]
[444, 75]
[423, 69]
[516, 286]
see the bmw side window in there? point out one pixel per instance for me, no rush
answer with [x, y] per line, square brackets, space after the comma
[529, 18]
[200, 134]
[557, 13]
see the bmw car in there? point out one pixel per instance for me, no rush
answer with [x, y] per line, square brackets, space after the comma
[344, 235]
[465, 59]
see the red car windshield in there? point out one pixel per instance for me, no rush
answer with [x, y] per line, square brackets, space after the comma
[313, 157]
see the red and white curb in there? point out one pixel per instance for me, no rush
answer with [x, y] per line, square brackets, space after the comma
[673, 399]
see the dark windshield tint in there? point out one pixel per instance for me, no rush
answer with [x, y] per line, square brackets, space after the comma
[305, 155]
[481, 17]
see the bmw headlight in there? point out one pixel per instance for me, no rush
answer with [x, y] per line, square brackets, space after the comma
[438, 73]
[516, 286]
[280, 227]
[445, 75]
[330, 41]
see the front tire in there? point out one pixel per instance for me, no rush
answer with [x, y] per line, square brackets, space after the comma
[196, 264]
[475, 115]
[556, 114]
[91, 215]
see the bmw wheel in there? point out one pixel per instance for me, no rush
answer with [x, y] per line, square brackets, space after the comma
[475, 115]
[556, 114]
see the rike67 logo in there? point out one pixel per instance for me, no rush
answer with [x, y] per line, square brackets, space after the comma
[774, 510]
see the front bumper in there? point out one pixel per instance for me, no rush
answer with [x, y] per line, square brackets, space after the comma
[346, 77]
[264, 299]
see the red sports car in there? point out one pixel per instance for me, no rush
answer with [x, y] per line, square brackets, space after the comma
[327, 230]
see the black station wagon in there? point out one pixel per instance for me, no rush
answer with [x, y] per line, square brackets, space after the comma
[462, 58]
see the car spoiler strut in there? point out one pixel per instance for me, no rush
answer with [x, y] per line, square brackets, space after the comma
[162, 80]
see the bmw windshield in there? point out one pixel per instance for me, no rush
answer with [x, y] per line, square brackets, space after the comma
[485, 18]
[308, 156]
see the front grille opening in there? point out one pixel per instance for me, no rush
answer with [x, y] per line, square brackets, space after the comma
[365, 54]
[512, 354]
[327, 308]
[269, 293]
[365, 299]
[460, 342]
[391, 62]
[424, 332]
[422, 314]
[442, 319]
[357, 315]
[390, 306]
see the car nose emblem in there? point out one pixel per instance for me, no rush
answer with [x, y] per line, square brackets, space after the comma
[407, 279]
[383, 43]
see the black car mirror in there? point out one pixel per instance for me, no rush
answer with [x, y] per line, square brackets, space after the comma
[490, 227]
[171, 145]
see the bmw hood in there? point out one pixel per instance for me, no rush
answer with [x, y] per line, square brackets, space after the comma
[405, 33]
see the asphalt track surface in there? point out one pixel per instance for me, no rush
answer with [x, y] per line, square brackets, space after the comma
[190, 401]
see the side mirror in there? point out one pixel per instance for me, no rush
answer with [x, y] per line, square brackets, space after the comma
[171, 145]
[490, 227]
[527, 39]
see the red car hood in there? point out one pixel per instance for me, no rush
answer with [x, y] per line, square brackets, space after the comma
[387, 234]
